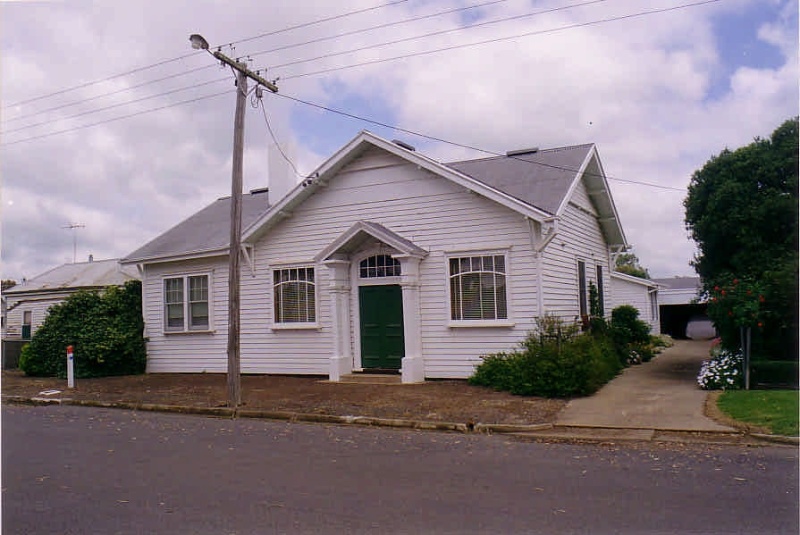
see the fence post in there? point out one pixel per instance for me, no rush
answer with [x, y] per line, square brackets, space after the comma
[70, 368]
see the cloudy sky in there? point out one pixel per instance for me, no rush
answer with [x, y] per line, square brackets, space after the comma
[111, 121]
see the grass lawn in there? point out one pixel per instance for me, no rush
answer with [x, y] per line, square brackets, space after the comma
[776, 410]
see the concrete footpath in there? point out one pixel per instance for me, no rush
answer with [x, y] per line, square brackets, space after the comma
[655, 401]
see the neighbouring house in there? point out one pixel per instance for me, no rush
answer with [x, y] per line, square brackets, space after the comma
[27, 303]
[386, 260]
[683, 308]
[640, 293]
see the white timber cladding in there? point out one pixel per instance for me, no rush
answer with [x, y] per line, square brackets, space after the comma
[579, 238]
[640, 296]
[186, 351]
[435, 214]
[38, 305]
[432, 212]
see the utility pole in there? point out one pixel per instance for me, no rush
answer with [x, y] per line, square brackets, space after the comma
[74, 227]
[242, 74]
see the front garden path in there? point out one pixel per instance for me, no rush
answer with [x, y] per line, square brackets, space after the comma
[661, 394]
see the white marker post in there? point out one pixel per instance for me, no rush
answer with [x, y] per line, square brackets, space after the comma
[70, 368]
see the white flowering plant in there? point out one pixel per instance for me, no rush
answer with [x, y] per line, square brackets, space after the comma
[723, 371]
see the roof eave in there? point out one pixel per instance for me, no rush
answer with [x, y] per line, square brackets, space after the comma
[159, 259]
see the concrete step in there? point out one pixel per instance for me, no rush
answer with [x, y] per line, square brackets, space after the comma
[371, 379]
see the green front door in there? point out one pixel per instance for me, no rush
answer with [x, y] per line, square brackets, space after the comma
[381, 312]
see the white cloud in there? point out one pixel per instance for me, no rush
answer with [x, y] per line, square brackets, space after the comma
[638, 87]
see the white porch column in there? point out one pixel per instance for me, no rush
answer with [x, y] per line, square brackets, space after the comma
[413, 365]
[341, 359]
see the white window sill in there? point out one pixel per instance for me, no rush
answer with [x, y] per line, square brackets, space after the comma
[480, 323]
[294, 326]
[194, 331]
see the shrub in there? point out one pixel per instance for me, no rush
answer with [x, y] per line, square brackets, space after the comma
[723, 371]
[553, 361]
[105, 330]
[630, 335]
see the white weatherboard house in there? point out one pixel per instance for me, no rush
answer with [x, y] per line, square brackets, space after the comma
[28, 303]
[386, 260]
[640, 293]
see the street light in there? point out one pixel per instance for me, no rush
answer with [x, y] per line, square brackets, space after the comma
[242, 74]
[198, 43]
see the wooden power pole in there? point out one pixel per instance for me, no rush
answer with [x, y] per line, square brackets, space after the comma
[242, 74]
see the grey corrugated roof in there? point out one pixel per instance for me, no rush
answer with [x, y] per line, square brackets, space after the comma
[207, 230]
[541, 179]
[680, 283]
[96, 274]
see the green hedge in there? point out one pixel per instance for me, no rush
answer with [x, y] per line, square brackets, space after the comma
[553, 361]
[105, 329]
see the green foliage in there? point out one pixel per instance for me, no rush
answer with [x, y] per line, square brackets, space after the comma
[105, 329]
[776, 410]
[6, 284]
[628, 263]
[553, 361]
[742, 211]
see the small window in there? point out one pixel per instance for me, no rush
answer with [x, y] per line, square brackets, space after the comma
[600, 292]
[186, 303]
[478, 288]
[294, 292]
[379, 266]
[26, 324]
[582, 287]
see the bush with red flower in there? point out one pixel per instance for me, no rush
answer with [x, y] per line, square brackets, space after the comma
[735, 303]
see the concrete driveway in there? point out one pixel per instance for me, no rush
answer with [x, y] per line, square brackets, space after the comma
[661, 394]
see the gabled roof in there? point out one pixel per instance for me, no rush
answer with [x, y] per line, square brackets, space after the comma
[355, 148]
[541, 179]
[205, 233]
[95, 274]
[537, 185]
[355, 236]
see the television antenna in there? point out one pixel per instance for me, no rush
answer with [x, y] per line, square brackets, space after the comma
[74, 228]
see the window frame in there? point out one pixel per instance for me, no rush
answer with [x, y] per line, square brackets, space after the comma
[583, 290]
[294, 325]
[186, 304]
[29, 325]
[600, 289]
[508, 321]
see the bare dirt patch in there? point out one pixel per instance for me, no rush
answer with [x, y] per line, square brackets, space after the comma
[445, 401]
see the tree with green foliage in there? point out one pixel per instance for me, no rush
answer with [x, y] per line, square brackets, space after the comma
[105, 329]
[742, 211]
[628, 263]
[7, 283]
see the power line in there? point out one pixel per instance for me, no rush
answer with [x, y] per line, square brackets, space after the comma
[377, 27]
[499, 39]
[184, 56]
[65, 131]
[123, 90]
[118, 105]
[440, 32]
[275, 139]
[461, 145]
[319, 21]
[184, 73]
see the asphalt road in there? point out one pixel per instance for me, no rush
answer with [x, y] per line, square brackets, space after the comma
[74, 470]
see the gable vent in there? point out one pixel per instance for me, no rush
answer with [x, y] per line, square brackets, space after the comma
[404, 145]
[518, 152]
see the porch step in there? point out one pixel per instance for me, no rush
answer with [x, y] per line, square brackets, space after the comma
[371, 379]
